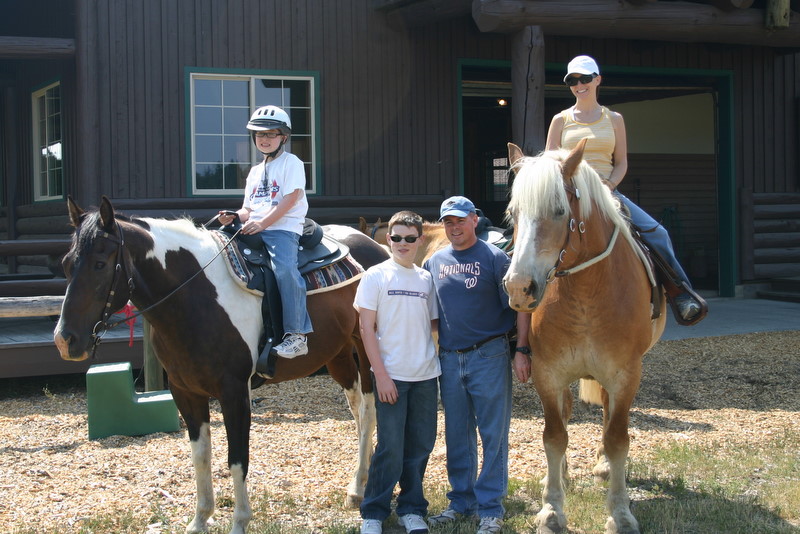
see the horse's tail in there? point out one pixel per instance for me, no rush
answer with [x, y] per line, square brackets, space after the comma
[590, 391]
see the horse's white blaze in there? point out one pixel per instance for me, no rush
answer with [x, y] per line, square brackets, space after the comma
[243, 308]
[531, 262]
[201, 459]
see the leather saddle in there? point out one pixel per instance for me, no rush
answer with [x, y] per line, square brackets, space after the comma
[315, 251]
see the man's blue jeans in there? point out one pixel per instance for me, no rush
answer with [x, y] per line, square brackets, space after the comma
[476, 394]
[282, 247]
[406, 435]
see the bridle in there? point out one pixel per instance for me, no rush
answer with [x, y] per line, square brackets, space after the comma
[580, 227]
[125, 264]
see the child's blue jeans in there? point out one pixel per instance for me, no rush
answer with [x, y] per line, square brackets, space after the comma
[406, 435]
[282, 247]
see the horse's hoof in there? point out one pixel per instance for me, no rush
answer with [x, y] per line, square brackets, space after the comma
[623, 524]
[353, 502]
[549, 521]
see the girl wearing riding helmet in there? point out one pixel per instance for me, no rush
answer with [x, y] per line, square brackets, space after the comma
[275, 207]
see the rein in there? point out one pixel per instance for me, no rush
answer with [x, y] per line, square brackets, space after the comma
[102, 326]
[581, 227]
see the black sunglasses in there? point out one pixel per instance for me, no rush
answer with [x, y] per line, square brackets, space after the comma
[408, 238]
[584, 79]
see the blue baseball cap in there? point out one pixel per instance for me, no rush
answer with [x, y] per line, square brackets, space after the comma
[458, 206]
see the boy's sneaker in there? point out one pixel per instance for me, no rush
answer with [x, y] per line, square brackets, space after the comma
[413, 524]
[293, 345]
[490, 525]
[371, 526]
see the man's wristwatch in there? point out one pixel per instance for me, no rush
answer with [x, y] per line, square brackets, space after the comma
[524, 350]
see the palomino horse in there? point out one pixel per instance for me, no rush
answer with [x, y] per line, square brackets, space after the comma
[577, 269]
[206, 334]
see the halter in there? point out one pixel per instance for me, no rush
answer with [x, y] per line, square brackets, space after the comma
[580, 226]
[102, 326]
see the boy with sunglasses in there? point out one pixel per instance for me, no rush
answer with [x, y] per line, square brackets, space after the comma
[397, 309]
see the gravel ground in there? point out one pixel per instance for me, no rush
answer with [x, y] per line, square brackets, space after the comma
[303, 439]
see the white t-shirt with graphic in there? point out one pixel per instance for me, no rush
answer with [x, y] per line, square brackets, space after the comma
[266, 185]
[404, 302]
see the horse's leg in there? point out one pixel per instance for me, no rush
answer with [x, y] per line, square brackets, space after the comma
[616, 442]
[551, 518]
[194, 409]
[346, 373]
[602, 468]
[235, 405]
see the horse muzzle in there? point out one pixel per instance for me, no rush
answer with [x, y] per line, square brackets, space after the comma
[68, 349]
[523, 293]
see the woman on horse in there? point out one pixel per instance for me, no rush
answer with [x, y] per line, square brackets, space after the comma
[275, 207]
[607, 153]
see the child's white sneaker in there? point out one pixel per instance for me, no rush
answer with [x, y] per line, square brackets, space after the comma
[293, 345]
[371, 526]
[413, 524]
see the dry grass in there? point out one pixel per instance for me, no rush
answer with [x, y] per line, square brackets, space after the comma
[733, 391]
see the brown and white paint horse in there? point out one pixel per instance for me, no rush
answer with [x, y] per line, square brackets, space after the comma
[206, 334]
[577, 270]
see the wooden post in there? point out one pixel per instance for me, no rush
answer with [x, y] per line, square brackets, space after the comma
[153, 372]
[777, 14]
[527, 90]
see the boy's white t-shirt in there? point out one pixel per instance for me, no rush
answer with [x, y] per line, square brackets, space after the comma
[405, 303]
[268, 182]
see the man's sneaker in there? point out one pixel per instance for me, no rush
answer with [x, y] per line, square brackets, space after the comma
[371, 526]
[447, 516]
[490, 525]
[413, 524]
[293, 345]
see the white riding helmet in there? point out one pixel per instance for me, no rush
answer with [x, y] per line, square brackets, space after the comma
[270, 118]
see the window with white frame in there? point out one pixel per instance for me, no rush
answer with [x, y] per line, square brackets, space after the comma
[48, 161]
[222, 151]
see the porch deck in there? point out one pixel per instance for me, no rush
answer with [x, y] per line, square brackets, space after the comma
[27, 348]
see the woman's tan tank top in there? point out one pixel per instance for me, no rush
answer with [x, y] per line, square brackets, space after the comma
[599, 152]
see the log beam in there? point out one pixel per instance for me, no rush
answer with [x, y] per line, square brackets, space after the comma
[778, 12]
[36, 48]
[527, 90]
[609, 19]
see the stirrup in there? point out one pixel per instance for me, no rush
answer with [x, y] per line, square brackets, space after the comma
[265, 366]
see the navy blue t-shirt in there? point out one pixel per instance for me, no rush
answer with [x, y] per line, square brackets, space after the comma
[469, 289]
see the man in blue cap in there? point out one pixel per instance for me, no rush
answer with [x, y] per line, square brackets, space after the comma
[474, 322]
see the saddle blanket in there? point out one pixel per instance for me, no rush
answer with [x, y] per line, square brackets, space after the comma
[345, 271]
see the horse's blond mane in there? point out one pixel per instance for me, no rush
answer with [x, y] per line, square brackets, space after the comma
[539, 193]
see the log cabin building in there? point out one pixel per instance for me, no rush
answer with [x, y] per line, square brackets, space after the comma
[397, 104]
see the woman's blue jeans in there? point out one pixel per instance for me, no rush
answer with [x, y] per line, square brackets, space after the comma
[282, 247]
[658, 239]
[406, 435]
[476, 394]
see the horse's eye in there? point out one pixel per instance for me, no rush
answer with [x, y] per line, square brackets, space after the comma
[560, 212]
[100, 265]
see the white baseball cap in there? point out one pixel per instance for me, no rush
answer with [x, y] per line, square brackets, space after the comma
[582, 65]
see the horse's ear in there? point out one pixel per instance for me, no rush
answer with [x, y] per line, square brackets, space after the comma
[106, 214]
[514, 155]
[75, 211]
[574, 159]
[362, 225]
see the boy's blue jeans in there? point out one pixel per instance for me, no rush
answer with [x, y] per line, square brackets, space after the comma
[476, 393]
[658, 239]
[282, 247]
[406, 435]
